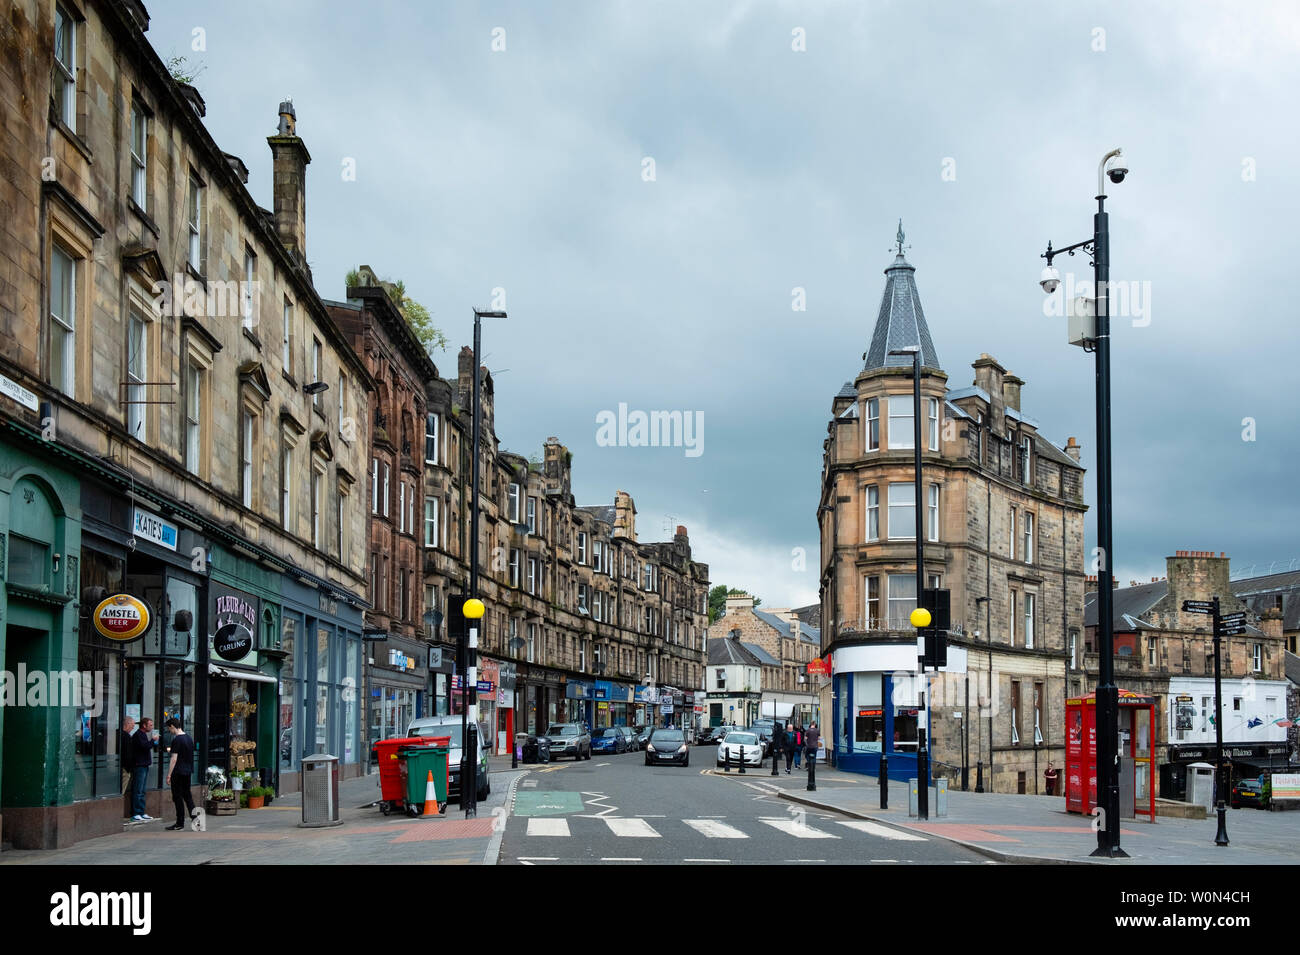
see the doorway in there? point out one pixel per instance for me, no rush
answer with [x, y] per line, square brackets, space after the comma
[22, 760]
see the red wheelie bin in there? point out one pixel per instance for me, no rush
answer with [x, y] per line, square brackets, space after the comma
[392, 788]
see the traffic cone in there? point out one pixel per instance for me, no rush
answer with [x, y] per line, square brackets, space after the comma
[430, 797]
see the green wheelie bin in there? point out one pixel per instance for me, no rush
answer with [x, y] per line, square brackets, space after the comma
[416, 763]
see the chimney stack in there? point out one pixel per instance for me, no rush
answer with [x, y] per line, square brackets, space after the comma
[1011, 386]
[1072, 448]
[289, 173]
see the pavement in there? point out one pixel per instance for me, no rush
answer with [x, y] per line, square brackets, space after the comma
[271, 835]
[1037, 829]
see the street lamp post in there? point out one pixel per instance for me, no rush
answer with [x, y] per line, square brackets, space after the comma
[1107, 692]
[922, 753]
[474, 608]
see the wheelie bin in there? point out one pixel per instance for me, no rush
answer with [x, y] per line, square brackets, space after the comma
[392, 787]
[415, 763]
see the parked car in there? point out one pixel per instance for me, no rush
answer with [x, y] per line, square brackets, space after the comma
[610, 740]
[730, 749]
[763, 728]
[667, 746]
[643, 735]
[536, 749]
[708, 736]
[569, 739]
[450, 726]
[1251, 792]
[633, 743]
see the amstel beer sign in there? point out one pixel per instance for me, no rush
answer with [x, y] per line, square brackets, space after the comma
[121, 617]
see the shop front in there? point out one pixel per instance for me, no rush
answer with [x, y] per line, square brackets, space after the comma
[397, 682]
[1245, 761]
[242, 698]
[319, 698]
[876, 704]
[581, 698]
[505, 705]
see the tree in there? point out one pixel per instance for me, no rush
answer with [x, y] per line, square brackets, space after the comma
[718, 600]
[416, 315]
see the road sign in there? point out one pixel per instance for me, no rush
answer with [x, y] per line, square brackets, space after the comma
[1232, 630]
[1198, 606]
[1240, 615]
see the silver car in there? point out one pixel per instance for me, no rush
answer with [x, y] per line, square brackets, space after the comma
[569, 739]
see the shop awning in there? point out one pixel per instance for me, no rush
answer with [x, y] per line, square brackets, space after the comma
[227, 673]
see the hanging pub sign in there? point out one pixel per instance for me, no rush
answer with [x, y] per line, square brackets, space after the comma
[122, 617]
[233, 621]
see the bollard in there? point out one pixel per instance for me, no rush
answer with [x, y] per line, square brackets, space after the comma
[774, 754]
[979, 776]
[726, 763]
[742, 760]
[469, 775]
[812, 770]
[884, 781]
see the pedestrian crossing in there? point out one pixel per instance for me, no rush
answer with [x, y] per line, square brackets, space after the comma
[635, 827]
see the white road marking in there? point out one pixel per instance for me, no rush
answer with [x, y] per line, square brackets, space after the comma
[548, 827]
[539, 858]
[791, 827]
[601, 764]
[631, 828]
[884, 832]
[706, 860]
[619, 859]
[712, 829]
[884, 860]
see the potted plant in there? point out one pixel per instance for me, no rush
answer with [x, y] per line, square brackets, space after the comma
[256, 797]
[221, 802]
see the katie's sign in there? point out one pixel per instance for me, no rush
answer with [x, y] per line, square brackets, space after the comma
[151, 527]
[121, 617]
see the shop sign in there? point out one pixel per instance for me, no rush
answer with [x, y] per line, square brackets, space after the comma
[666, 709]
[232, 642]
[151, 527]
[666, 700]
[121, 617]
[485, 687]
[435, 658]
[1286, 786]
[820, 667]
[397, 658]
[234, 622]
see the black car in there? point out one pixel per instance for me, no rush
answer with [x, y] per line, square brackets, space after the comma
[667, 746]
[709, 735]
[643, 735]
[1250, 792]
[569, 739]
[763, 727]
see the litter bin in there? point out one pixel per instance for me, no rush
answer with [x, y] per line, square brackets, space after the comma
[416, 762]
[320, 791]
[392, 788]
[1200, 785]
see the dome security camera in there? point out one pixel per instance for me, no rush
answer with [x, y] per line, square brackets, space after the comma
[1117, 170]
[1050, 279]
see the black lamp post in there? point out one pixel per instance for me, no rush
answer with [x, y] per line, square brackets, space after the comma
[920, 618]
[474, 608]
[1107, 692]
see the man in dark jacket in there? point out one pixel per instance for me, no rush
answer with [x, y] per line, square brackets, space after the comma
[811, 740]
[179, 770]
[141, 760]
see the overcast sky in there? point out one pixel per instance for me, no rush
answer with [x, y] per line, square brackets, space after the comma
[525, 169]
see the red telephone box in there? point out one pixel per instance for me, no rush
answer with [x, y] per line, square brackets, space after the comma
[1137, 769]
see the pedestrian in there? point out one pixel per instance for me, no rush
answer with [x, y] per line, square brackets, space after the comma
[811, 740]
[124, 752]
[778, 742]
[798, 745]
[143, 742]
[179, 771]
[1049, 778]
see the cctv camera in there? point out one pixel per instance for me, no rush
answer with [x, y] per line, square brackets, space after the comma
[1117, 171]
[1050, 279]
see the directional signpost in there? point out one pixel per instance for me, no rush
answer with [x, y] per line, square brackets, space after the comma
[1227, 626]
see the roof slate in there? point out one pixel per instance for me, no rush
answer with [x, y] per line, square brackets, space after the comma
[900, 321]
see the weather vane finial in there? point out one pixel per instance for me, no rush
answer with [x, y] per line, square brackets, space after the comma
[900, 237]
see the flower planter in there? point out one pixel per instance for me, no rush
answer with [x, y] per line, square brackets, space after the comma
[221, 807]
[255, 802]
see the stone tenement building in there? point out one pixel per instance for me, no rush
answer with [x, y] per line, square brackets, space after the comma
[165, 442]
[397, 672]
[583, 620]
[787, 642]
[1004, 534]
[1163, 652]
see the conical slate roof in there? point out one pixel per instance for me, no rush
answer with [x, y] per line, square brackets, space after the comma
[901, 321]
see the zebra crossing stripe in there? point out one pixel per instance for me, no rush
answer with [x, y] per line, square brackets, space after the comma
[713, 829]
[792, 827]
[631, 828]
[883, 832]
[542, 826]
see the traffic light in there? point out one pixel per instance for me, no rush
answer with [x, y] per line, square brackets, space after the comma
[456, 629]
[939, 603]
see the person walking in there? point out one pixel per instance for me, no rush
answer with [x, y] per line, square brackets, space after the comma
[179, 771]
[811, 740]
[143, 742]
[791, 742]
[778, 744]
[798, 745]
